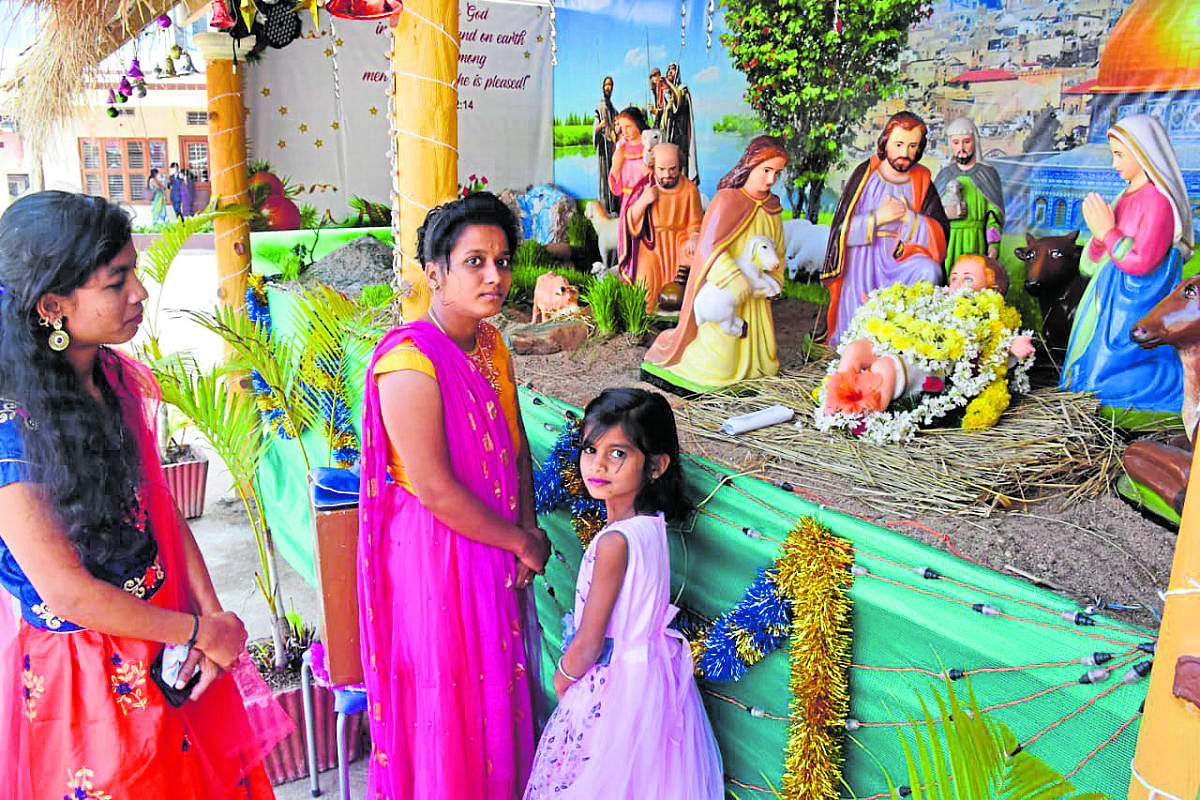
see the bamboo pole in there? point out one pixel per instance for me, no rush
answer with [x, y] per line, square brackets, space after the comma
[424, 119]
[1167, 761]
[227, 162]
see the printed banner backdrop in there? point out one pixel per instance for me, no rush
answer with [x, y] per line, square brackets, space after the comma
[1042, 81]
[318, 108]
[626, 40]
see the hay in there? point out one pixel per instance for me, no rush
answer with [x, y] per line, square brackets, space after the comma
[1048, 444]
[73, 38]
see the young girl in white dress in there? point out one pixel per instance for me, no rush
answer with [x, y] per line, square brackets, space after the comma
[629, 723]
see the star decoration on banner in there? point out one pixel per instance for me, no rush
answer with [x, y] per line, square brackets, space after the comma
[337, 42]
[303, 127]
[281, 144]
[373, 110]
[329, 52]
[266, 91]
[540, 38]
[283, 111]
[527, 54]
[335, 125]
[318, 143]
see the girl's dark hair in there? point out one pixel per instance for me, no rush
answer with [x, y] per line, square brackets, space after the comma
[80, 452]
[648, 421]
[443, 224]
[634, 115]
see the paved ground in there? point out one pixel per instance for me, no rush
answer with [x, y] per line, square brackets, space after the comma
[223, 532]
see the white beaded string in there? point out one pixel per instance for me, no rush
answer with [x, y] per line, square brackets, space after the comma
[553, 36]
[682, 24]
[1154, 791]
[708, 25]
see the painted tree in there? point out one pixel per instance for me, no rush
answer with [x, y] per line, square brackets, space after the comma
[815, 67]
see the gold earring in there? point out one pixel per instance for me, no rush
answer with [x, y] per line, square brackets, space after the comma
[59, 339]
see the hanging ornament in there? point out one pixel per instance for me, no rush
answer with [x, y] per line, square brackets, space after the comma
[125, 89]
[122, 98]
[249, 11]
[135, 70]
[313, 7]
[163, 20]
[709, 10]
[282, 26]
[139, 88]
[169, 68]
[837, 16]
[112, 112]
[112, 97]
[220, 18]
[364, 9]
[176, 51]
[682, 24]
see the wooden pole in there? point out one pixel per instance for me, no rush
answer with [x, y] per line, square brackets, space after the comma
[227, 161]
[424, 119]
[1168, 746]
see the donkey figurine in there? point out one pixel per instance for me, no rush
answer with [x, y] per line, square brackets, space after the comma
[1164, 467]
[1052, 277]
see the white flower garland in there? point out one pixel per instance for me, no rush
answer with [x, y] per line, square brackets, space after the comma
[958, 327]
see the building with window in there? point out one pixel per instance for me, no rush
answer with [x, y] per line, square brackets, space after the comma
[1147, 67]
[112, 156]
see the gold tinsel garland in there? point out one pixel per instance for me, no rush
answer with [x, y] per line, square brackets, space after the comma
[814, 573]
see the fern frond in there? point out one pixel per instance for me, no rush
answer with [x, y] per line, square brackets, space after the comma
[155, 261]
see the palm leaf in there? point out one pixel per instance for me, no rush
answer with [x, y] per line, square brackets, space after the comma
[156, 260]
[229, 420]
[270, 355]
[981, 754]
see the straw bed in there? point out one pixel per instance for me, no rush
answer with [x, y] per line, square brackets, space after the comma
[1047, 444]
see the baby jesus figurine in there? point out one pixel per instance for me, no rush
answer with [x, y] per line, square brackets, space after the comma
[918, 352]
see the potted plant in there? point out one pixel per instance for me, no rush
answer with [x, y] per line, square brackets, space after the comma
[184, 466]
[297, 385]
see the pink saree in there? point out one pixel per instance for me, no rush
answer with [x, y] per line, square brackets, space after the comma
[443, 646]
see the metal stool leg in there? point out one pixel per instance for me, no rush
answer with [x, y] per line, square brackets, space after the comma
[343, 766]
[310, 725]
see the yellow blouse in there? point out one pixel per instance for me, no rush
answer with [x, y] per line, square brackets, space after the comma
[490, 356]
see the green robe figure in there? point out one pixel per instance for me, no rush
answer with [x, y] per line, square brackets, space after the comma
[972, 196]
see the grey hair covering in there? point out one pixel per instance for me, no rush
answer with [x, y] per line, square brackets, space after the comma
[961, 126]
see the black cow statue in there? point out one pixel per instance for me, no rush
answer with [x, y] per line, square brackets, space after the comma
[1052, 278]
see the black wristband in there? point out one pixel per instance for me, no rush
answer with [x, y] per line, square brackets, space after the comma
[191, 642]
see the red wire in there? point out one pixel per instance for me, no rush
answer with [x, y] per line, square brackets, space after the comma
[1102, 745]
[944, 537]
[1089, 703]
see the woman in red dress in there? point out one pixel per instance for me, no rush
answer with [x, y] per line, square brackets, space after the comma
[104, 570]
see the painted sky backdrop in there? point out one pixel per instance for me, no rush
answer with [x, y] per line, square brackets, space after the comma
[626, 39]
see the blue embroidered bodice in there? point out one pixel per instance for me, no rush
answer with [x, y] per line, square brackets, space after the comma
[141, 580]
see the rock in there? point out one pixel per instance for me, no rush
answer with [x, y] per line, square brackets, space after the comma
[544, 338]
[356, 264]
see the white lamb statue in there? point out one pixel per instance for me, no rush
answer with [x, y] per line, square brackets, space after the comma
[720, 304]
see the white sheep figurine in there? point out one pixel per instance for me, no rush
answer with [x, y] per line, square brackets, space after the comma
[607, 231]
[720, 304]
[804, 246]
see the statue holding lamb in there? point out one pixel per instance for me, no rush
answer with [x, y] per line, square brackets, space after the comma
[719, 302]
[726, 333]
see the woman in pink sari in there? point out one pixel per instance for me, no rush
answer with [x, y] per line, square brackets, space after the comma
[448, 545]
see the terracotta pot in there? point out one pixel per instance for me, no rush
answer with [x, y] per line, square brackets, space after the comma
[287, 762]
[187, 481]
[671, 296]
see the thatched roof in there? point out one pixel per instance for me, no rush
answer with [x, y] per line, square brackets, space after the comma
[73, 37]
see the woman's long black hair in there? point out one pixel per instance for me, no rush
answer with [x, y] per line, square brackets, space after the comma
[648, 421]
[80, 451]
